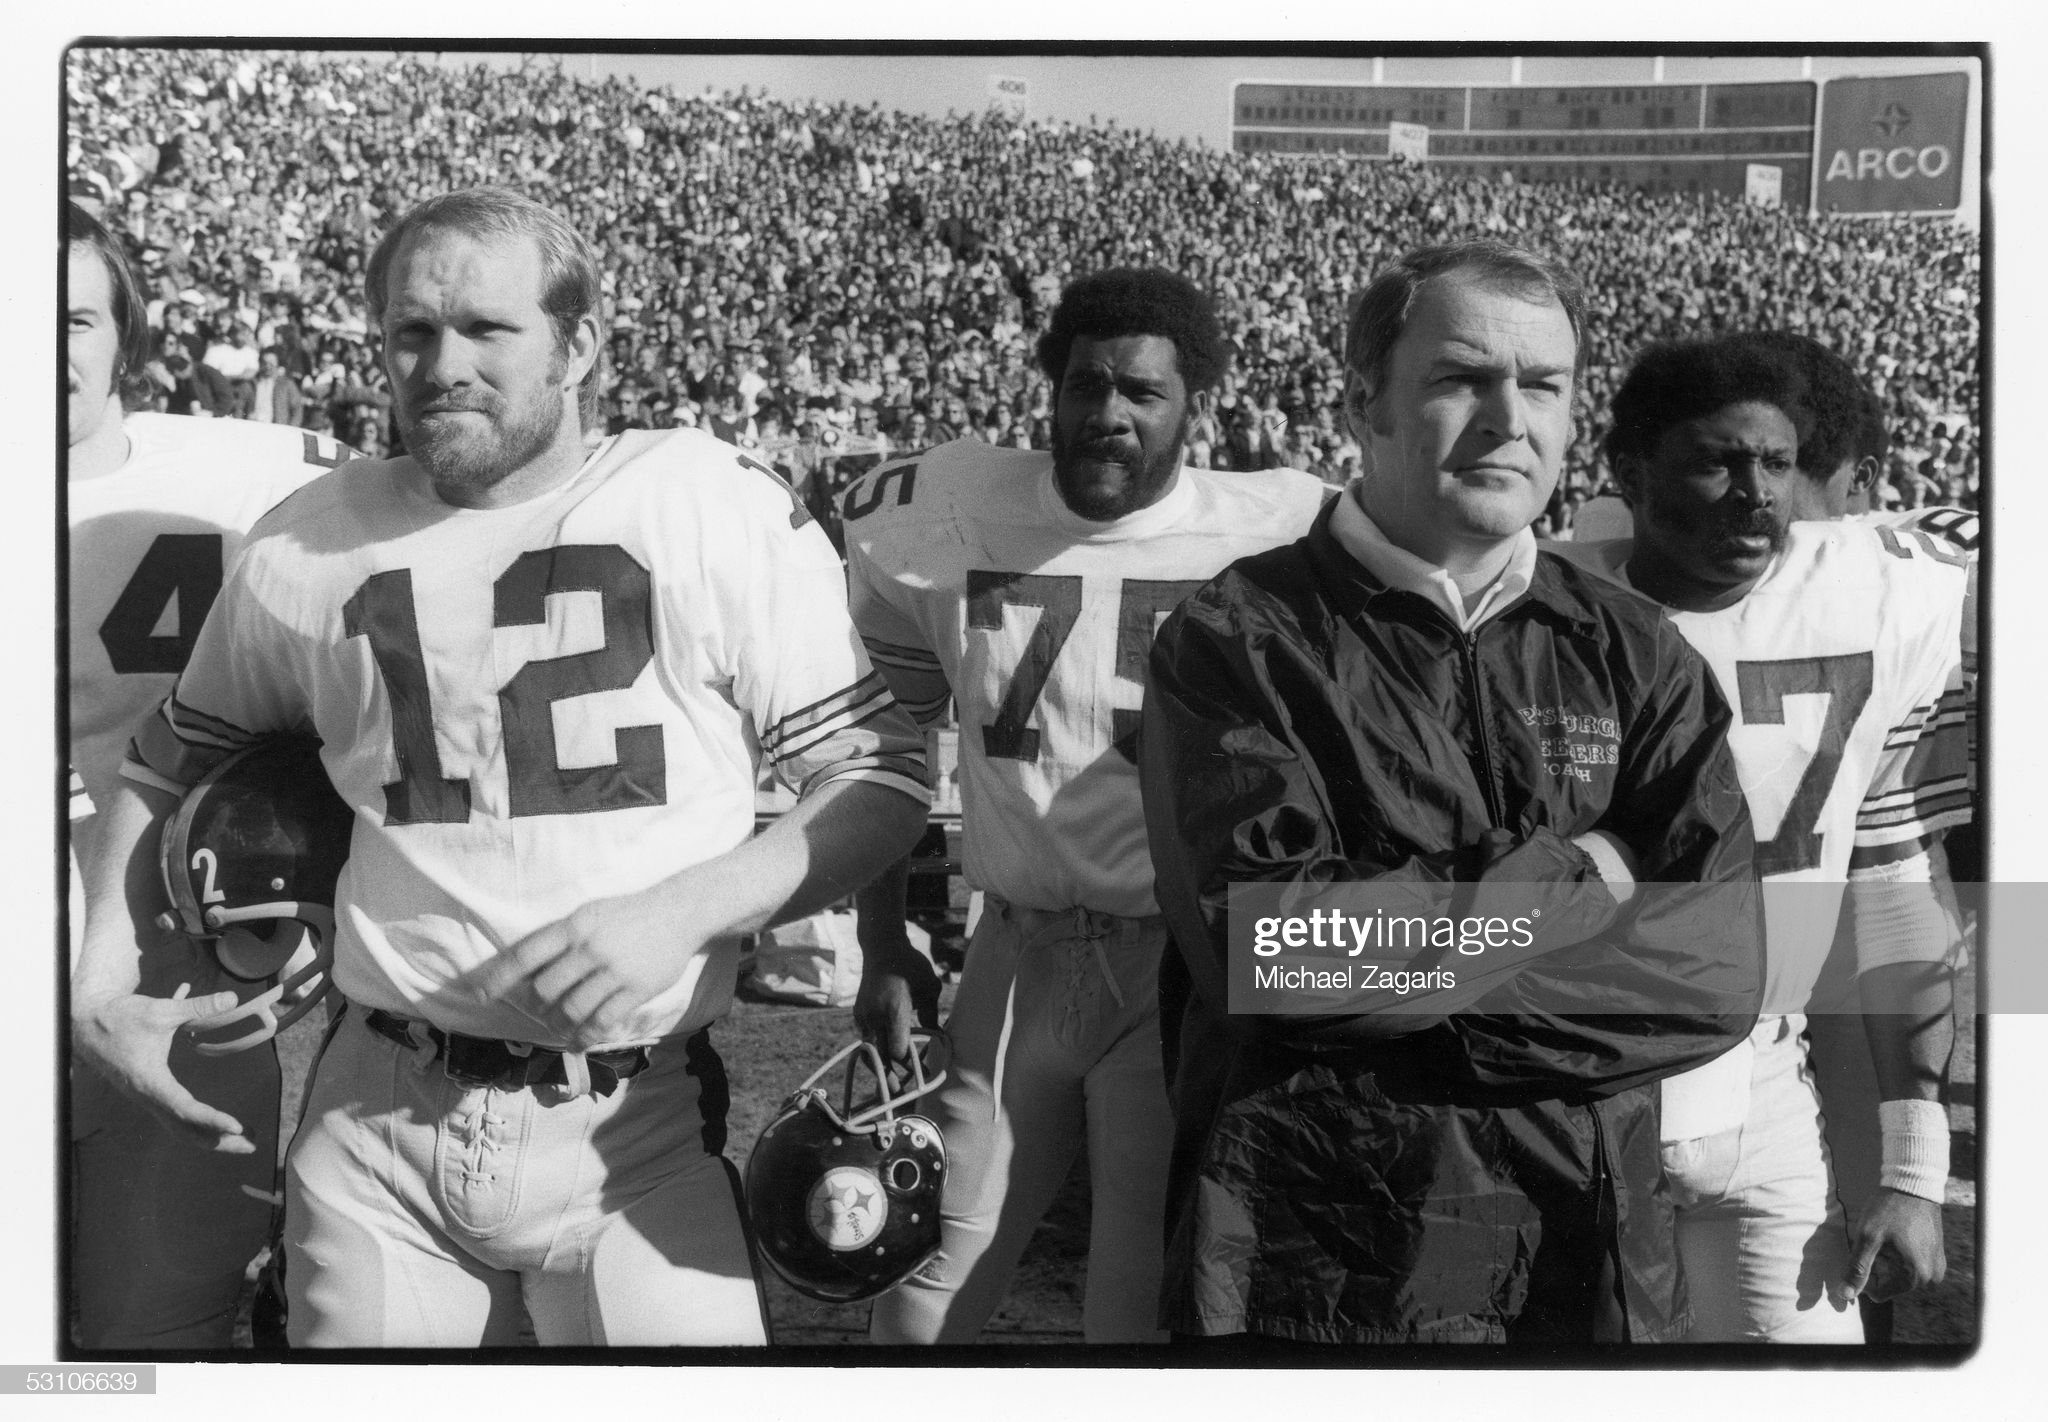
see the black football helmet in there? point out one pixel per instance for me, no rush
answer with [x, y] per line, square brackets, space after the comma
[845, 1201]
[249, 860]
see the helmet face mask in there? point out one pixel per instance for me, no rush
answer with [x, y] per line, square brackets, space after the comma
[845, 1200]
[250, 861]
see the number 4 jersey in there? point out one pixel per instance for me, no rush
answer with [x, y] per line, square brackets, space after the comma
[150, 544]
[971, 579]
[534, 707]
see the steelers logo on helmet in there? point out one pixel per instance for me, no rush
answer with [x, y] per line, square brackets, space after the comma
[848, 1207]
[250, 861]
[844, 1198]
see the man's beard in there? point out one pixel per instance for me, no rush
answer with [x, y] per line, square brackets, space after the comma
[457, 454]
[1146, 474]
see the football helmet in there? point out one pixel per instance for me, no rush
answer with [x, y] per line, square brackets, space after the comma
[249, 860]
[845, 1200]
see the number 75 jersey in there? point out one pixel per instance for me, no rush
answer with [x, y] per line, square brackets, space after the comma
[971, 579]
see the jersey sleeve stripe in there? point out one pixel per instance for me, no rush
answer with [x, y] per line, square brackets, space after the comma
[79, 803]
[897, 655]
[197, 723]
[879, 707]
[791, 735]
[1928, 812]
[1935, 787]
[825, 707]
[179, 745]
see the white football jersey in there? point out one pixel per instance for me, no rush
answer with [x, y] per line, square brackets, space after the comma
[1839, 665]
[1842, 666]
[971, 579]
[150, 545]
[534, 707]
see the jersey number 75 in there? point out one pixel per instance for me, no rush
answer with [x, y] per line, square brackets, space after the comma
[1141, 602]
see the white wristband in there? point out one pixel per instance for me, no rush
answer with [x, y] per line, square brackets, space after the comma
[1915, 1148]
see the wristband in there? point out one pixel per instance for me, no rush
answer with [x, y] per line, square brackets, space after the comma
[1915, 1148]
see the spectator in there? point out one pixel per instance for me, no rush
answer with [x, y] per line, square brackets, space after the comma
[276, 398]
[227, 373]
[729, 229]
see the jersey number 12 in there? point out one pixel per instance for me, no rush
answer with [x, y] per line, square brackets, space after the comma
[382, 611]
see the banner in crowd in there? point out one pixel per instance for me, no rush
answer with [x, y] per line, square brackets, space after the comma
[1009, 95]
[1766, 186]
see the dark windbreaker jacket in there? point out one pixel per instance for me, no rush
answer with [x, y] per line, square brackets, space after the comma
[1485, 1170]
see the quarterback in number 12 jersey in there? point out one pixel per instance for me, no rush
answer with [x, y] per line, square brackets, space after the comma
[150, 544]
[536, 706]
[971, 578]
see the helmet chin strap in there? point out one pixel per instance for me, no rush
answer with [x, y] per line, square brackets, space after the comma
[303, 981]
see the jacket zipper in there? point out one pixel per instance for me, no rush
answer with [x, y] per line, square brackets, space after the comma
[1607, 1214]
[1494, 809]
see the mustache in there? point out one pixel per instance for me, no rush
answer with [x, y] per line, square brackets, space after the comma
[1755, 523]
[454, 404]
[1110, 450]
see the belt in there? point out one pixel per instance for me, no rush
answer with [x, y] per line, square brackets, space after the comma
[508, 1066]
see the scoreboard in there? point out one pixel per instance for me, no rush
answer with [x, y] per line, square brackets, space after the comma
[1666, 138]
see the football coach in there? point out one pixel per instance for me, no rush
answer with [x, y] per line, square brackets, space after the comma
[1413, 696]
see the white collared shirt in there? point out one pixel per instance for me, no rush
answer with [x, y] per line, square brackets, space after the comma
[1359, 536]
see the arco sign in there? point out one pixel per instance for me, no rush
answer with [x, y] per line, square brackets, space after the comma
[1892, 144]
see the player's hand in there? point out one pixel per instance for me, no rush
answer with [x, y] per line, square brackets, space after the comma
[127, 1039]
[588, 975]
[1896, 1247]
[899, 990]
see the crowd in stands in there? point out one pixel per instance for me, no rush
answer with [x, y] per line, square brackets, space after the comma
[828, 284]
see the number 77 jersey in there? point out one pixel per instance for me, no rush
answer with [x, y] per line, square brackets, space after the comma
[971, 579]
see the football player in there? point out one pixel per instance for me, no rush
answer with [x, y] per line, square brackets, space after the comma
[1842, 457]
[543, 674]
[1837, 644]
[159, 506]
[1026, 587]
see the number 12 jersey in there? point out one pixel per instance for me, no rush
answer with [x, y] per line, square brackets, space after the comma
[534, 707]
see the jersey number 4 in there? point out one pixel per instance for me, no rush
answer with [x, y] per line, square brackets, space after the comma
[1141, 602]
[1845, 682]
[382, 611]
[181, 566]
